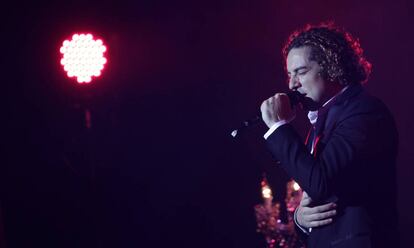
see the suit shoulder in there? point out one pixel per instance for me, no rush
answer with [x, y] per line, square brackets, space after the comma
[363, 102]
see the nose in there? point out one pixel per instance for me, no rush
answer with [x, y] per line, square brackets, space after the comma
[294, 83]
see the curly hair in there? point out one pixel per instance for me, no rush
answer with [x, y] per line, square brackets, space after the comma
[338, 53]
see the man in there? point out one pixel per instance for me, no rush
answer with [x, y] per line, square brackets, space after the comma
[347, 167]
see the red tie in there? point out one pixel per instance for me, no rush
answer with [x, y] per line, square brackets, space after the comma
[315, 140]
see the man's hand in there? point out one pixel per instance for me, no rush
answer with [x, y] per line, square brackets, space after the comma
[276, 108]
[308, 217]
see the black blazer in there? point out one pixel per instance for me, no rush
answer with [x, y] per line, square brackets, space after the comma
[353, 165]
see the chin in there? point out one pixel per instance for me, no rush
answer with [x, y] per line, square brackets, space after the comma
[318, 100]
[315, 98]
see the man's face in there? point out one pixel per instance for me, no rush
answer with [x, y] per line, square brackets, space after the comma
[304, 74]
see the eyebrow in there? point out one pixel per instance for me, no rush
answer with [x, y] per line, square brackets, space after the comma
[299, 68]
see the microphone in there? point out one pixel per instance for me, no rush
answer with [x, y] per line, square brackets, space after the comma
[294, 96]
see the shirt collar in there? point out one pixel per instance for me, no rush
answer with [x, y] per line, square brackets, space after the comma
[313, 115]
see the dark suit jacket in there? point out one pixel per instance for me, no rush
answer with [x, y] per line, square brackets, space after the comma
[353, 165]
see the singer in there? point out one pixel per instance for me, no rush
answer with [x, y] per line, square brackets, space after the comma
[347, 165]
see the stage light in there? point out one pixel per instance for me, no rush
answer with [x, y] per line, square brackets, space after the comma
[296, 186]
[267, 192]
[83, 57]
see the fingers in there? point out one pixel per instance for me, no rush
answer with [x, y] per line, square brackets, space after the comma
[306, 200]
[322, 208]
[276, 108]
[320, 223]
[281, 97]
[277, 99]
[268, 112]
[266, 104]
[316, 216]
[283, 107]
[321, 216]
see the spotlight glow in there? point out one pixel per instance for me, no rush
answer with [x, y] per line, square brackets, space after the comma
[266, 192]
[296, 186]
[83, 57]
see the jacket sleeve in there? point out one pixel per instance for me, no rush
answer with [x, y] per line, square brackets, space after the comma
[348, 142]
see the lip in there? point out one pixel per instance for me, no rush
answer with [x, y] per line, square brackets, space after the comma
[303, 93]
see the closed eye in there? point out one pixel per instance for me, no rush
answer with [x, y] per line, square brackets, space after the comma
[302, 72]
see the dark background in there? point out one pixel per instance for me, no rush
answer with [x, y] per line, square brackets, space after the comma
[158, 167]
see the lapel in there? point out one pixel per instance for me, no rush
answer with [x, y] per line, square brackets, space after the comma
[328, 119]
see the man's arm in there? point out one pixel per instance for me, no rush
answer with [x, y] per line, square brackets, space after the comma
[315, 174]
[348, 153]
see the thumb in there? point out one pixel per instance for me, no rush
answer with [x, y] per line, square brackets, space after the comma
[306, 200]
